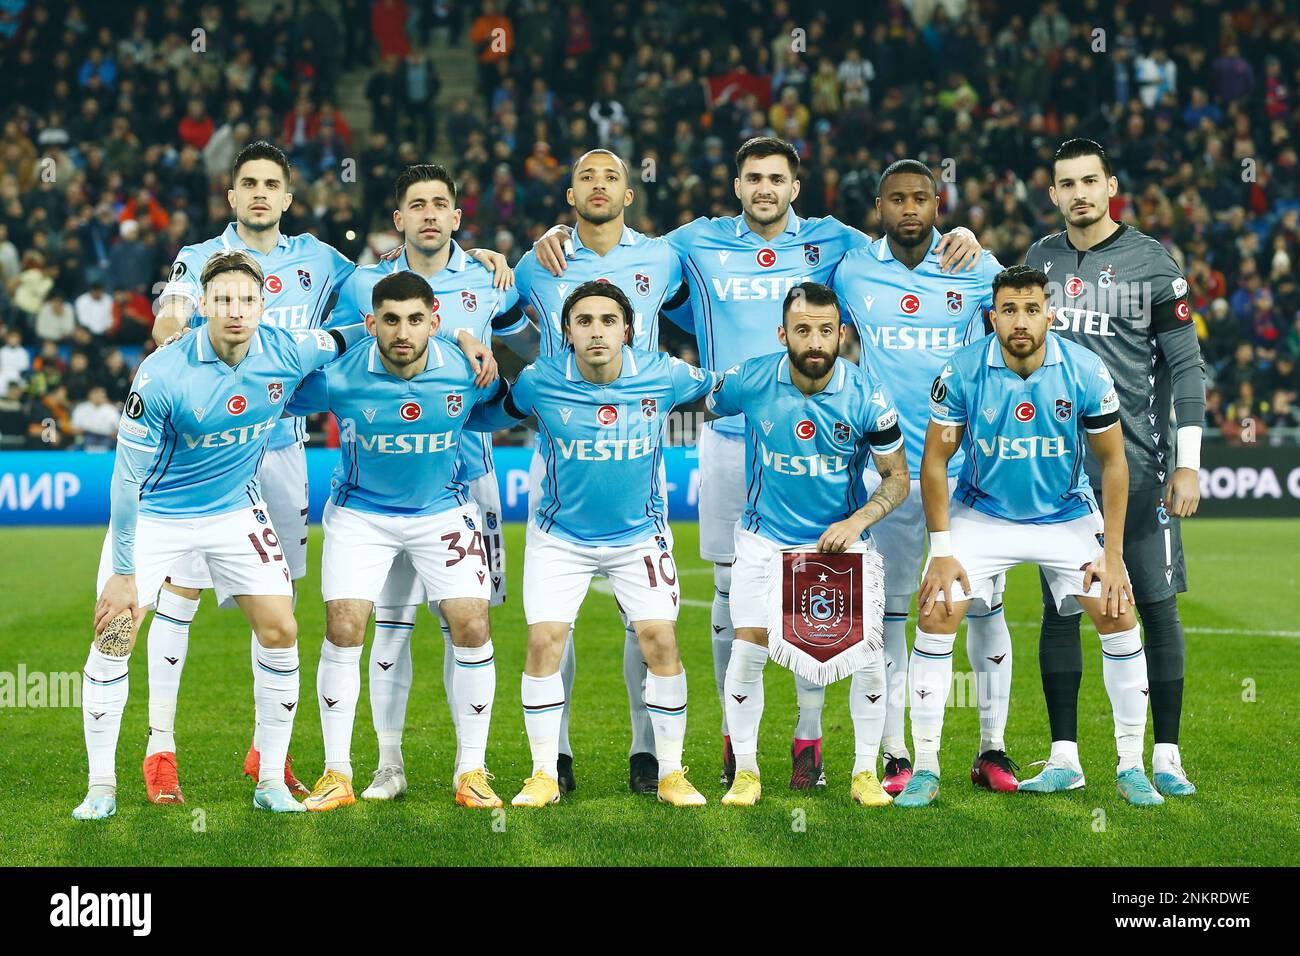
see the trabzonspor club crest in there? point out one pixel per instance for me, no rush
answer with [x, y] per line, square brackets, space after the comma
[820, 602]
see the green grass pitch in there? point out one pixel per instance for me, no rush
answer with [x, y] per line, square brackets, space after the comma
[1241, 726]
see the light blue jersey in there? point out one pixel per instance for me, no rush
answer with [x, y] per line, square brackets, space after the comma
[738, 281]
[910, 322]
[400, 438]
[647, 270]
[193, 430]
[302, 274]
[464, 299]
[804, 454]
[1024, 438]
[602, 444]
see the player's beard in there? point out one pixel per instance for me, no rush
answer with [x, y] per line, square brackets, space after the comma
[1022, 350]
[922, 235]
[766, 220]
[811, 367]
[1086, 218]
[598, 215]
[397, 360]
[272, 223]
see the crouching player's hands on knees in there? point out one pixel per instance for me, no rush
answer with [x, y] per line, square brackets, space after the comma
[938, 580]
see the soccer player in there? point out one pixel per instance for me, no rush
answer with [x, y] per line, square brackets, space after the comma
[739, 270]
[1118, 292]
[401, 405]
[811, 420]
[303, 275]
[467, 303]
[1022, 400]
[649, 273]
[601, 408]
[194, 428]
[911, 317]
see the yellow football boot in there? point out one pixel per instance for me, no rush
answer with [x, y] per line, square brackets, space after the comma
[540, 790]
[678, 791]
[745, 790]
[332, 790]
[473, 790]
[867, 791]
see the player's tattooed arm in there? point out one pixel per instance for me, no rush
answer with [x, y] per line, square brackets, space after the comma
[894, 485]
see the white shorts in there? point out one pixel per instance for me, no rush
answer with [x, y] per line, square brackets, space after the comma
[240, 550]
[722, 495]
[558, 572]
[284, 489]
[989, 547]
[446, 550]
[403, 588]
[751, 578]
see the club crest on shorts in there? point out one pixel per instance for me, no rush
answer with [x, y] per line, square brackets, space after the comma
[841, 433]
[274, 392]
[260, 515]
[642, 284]
[304, 280]
[812, 253]
[491, 520]
[662, 542]
[469, 522]
[455, 404]
[954, 302]
[649, 408]
[1162, 514]
[469, 301]
[1063, 409]
[823, 595]
[1101, 538]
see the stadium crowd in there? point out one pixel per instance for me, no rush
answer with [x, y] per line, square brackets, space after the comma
[120, 123]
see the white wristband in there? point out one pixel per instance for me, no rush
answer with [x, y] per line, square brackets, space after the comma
[1188, 454]
[941, 544]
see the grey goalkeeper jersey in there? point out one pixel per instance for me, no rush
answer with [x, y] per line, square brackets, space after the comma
[1126, 300]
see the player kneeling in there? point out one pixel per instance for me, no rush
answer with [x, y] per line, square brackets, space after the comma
[401, 404]
[1022, 400]
[602, 407]
[812, 419]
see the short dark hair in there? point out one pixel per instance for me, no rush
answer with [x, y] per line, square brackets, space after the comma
[590, 290]
[760, 146]
[1074, 148]
[423, 173]
[1019, 277]
[809, 293]
[231, 260]
[627, 173]
[261, 149]
[913, 166]
[400, 286]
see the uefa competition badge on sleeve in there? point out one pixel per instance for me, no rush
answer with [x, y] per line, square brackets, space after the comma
[827, 617]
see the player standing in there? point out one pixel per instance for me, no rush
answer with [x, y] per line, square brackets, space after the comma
[649, 274]
[739, 270]
[811, 420]
[1118, 292]
[601, 409]
[303, 276]
[401, 407]
[1022, 400]
[467, 302]
[910, 318]
[194, 428]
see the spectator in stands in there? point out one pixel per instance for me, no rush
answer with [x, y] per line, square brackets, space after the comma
[94, 309]
[15, 361]
[32, 285]
[14, 413]
[115, 376]
[95, 419]
[56, 319]
[130, 261]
